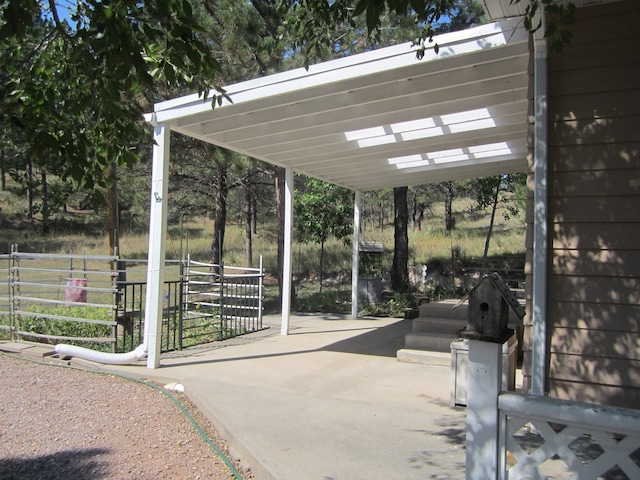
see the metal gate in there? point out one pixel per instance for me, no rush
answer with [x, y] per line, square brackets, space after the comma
[55, 298]
[220, 302]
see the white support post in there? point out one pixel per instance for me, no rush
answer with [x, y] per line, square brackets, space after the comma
[483, 419]
[356, 255]
[157, 242]
[539, 301]
[288, 235]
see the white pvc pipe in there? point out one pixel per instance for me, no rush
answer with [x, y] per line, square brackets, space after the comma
[101, 357]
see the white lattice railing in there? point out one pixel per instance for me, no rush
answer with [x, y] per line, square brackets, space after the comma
[543, 438]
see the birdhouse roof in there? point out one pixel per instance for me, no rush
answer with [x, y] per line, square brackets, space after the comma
[501, 287]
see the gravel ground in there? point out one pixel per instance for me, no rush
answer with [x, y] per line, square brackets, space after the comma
[63, 423]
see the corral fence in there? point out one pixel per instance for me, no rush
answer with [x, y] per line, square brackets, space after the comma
[99, 301]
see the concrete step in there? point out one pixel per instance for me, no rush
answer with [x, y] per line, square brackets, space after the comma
[32, 350]
[429, 341]
[438, 325]
[423, 357]
[444, 309]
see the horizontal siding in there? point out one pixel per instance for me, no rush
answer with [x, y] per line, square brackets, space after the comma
[591, 236]
[603, 183]
[598, 131]
[599, 370]
[594, 79]
[592, 315]
[580, 230]
[583, 262]
[590, 209]
[610, 52]
[601, 23]
[613, 395]
[593, 278]
[594, 289]
[575, 158]
[596, 343]
[603, 104]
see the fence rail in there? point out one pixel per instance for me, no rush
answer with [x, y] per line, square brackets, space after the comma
[49, 298]
[102, 301]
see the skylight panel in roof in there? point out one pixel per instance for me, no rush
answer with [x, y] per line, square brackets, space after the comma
[373, 141]
[467, 116]
[490, 150]
[364, 133]
[412, 125]
[466, 121]
[424, 133]
[424, 160]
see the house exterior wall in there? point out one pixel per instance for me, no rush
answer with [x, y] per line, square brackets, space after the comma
[593, 295]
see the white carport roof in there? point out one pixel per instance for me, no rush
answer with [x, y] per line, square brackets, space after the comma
[382, 118]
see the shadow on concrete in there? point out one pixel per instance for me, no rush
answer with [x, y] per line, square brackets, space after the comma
[379, 341]
[383, 341]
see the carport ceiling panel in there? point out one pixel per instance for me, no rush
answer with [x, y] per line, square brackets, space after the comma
[349, 172]
[339, 169]
[433, 134]
[421, 86]
[437, 175]
[418, 110]
[350, 124]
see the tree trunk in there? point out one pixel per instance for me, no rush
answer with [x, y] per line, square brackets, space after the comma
[321, 262]
[113, 220]
[449, 223]
[249, 225]
[417, 212]
[399, 268]
[220, 216]
[494, 207]
[30, 190]
[254, 208]
[45, 203]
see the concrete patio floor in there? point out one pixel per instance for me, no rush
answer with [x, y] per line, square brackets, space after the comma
[328, 401]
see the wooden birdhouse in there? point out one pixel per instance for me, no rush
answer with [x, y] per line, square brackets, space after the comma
[488, 313]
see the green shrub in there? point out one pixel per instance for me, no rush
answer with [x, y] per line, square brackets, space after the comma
[48, 325]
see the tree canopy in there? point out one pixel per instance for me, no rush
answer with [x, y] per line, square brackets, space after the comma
[312, 19]
[76, 89]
